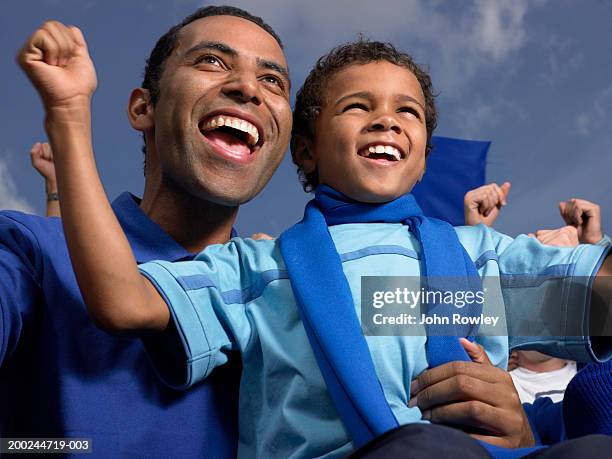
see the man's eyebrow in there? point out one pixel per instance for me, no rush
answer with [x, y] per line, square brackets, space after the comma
[212, 45]
[275, 66]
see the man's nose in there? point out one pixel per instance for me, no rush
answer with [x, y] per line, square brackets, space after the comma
[385, 122]
[244, 88]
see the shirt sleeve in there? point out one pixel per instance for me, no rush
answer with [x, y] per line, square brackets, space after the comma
[210, 318]
[19, 283]
[546, 292]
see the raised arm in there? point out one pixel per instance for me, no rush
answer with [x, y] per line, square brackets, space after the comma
[56, 60]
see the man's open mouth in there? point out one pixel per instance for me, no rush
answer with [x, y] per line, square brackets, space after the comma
[232, 134]
[381, 151]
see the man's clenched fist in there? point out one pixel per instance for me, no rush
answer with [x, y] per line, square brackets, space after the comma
[56, 60]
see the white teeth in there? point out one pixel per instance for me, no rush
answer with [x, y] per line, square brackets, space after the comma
[386, 149]
[235, 123]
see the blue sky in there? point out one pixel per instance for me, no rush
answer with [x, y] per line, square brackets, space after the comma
[533, 77]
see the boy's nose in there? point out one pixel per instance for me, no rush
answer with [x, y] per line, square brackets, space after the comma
[243, 88]
[385, 123]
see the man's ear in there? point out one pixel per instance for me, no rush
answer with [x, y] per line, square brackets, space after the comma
[302, 154]
[140, 110]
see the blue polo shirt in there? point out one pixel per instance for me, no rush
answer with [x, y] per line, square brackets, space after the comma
[60, 376]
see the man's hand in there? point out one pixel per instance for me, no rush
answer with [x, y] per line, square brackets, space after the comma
[42, 160]
[585, 216]
[56, 60]
[482, 205]
[475, 397]
[566, 236]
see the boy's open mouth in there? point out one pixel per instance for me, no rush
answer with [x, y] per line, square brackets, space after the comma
[234, 135]
[381, 151]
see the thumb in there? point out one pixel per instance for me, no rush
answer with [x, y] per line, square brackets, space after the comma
[562, 207]
[506, 189]
[475, 351]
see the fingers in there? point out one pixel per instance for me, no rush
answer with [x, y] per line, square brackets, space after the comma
[458, 388]
[482, 201]
[506, 190]
[36, 148]
[473, 413]
[513, 362]
[77, 36]
[567, 236]
[452, 369]
[47, 153]
[261, 236]
[53, 43]
[475, 351]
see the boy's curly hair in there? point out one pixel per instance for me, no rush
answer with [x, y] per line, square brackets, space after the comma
[310, 97]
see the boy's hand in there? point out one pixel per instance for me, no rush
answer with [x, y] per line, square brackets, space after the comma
[476, 397]
[482, 205]
[585, 216]
[56, 61]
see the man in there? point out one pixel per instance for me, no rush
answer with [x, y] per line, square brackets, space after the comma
[220, 59]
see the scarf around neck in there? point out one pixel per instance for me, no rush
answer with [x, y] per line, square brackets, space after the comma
[327, 310]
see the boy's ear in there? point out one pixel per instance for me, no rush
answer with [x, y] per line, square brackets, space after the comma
[140, 110]
[302, 154]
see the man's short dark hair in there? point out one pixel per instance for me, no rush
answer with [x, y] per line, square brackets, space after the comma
[154, 67]
[167, 43]
[310, 97]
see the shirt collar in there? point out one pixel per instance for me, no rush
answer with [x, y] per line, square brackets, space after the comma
[148, 240]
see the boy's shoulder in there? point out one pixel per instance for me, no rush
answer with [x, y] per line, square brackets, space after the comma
[260, 254]
[479, 239]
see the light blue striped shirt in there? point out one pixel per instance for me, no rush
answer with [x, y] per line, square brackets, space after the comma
[237, 297]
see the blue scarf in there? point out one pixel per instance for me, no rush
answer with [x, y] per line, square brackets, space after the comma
[327, 310]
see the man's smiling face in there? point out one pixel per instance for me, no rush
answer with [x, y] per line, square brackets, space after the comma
[223, 120]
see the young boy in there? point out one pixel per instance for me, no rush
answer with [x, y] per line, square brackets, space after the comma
[363, 121]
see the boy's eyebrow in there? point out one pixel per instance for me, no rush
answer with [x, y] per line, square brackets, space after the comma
[358, 95]
[407, 98]
[368, 96]
[275, 66]
[213, 45]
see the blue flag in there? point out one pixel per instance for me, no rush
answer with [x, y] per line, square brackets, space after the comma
[454, 167]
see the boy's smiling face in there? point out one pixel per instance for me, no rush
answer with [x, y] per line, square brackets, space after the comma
[370, 135]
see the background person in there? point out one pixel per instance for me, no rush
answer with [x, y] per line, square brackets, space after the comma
[42, 160]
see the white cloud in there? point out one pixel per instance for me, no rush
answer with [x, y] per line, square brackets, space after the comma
[598, 115]
[458, 40]
[499, 27]
[9, 198]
